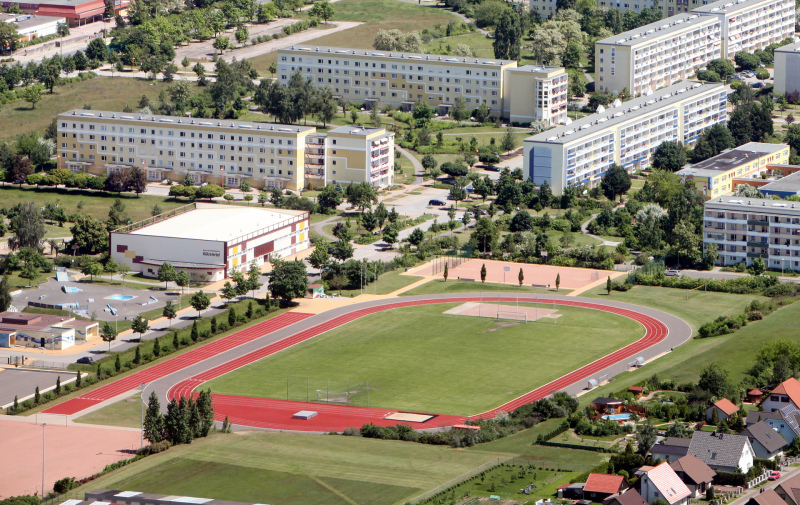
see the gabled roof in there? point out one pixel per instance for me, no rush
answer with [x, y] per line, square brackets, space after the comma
[726, 406]
[668, 483]
[601, 400]
[790, 388]
[694, 468]
[792, 487]
[755, 416]
[768, 497]
[755, 392]
[766, 436]
[629, 497]
[603, 483]
[718, 449]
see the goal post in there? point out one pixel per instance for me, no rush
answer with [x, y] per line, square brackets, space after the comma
[512, 315]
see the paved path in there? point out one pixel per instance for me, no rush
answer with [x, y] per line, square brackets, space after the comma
[603, 241]
[415, 163]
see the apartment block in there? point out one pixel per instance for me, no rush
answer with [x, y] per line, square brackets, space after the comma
[787, 69]
[221, 152]
[657, 55]
[403, 79]
[627, 134]
[715, 176]
[748, 25]
[743, 229]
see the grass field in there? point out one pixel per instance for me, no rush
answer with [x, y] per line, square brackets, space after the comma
[100, 93]
[282, 468]
[411, 363]
[455, 286]
[126, 413]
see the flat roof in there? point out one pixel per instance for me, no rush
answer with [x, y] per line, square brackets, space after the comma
[39, 20]
[217, 222]
[789, 183]
[727, 6]
[357, 130]
[536, 69]
[789, 48]
[615, 115]
[70, 3]
[183, 122]
[420, 57]
[765, 205]
[730, 159]
[672, 24]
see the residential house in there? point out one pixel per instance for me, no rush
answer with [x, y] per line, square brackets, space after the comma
[725, 409]
[671, 449]
[600, 486]
[694, 473]
[721, 451]
[629, 497]
[785, 421]
[767, 497]
[607, 405]
[662, 482]
[767, 442]
[789, 490]
[785, 393]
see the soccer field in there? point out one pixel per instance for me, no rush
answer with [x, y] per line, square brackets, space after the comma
[419, 359]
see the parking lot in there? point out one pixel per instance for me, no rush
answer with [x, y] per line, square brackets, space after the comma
[22, 383]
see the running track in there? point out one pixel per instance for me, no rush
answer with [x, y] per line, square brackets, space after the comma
[179, 376]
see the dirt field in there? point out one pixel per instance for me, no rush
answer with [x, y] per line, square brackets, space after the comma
[70, 451]
[537, 275]
[491, 310]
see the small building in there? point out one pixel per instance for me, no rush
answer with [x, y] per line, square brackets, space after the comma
[766, 497]
[785, 421]
[316, 290]
[662, 482]
[754, 396]
[600, 486]
[767, 442]
[607, 405]
[721, 451]
[572, 491]
[31, 26]
[671, 449]
[628, 497]
[44, 330]
[694, 473]
[636, 391]
[787, 392]
[725, 409]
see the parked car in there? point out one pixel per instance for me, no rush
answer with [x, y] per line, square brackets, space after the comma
[774, 475]
[436, 202]
[672, 273]
[758, 84]
[737, 77]
[86, 360]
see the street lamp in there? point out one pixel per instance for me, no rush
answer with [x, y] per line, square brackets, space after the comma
[144, 385]
[43, 425]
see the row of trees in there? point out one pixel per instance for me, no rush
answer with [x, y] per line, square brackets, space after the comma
[185, 420]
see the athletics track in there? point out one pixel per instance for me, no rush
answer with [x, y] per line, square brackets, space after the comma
[181, 375]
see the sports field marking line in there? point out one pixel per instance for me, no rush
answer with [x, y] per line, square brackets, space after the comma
[587, 305]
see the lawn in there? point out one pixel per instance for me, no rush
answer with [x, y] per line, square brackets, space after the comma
[387, 283]
[455, 286]
[126, 413]
[94, 203]
[282, 468]
[411, 363]
[100, 93]
[733, 352]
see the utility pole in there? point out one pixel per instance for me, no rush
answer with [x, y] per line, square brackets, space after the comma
[43, 425]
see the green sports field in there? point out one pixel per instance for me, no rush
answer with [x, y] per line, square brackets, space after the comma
[418, 358]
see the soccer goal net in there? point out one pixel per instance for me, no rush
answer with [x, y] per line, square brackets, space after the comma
[512, 315]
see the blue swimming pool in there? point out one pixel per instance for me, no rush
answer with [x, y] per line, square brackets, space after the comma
[121, 298]
[617, 417]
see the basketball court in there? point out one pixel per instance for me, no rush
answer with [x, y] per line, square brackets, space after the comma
[504, 272]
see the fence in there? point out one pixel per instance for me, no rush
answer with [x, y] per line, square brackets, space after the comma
[461, 478]
[332, 391]
[438, 264]
[55, 365]
[758, 480]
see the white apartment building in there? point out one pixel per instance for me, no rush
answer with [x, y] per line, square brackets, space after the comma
[657, 55]
[748, 25]
[746, 228]
[627, 134]
[403, 79]
[223, 152]
[546, 8]
[787, 69]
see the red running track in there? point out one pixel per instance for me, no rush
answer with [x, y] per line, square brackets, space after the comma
[277, 414]
[175, 364]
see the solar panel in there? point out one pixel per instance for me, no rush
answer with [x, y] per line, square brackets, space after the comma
[788, 414]
[128, 494]
[189, 499]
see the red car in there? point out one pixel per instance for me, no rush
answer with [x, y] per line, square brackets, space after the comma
[774, 475]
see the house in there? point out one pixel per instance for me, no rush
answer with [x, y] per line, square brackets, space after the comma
[767, 497]
[572, 491]
[725, 409]
[662, 482]
[785, 421]
[785, 393]
[767, 443]
[44, 330]
[607, 405]
[755, 396]
[600, 486]
[789, 490]
[671, 448]
[721, 451]
[629, 497]
[694, 473]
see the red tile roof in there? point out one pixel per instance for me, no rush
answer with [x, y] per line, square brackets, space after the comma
[755, 392]
[726, 406]
[603, 483]
[634, 389]
[790, 388]
[668, 483]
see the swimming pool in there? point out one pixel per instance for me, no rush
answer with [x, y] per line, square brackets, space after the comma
[617, 417]
[121, 298]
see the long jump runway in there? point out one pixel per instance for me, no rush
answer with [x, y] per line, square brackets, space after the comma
[181, 375]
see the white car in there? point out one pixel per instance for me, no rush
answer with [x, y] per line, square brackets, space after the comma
[672, 273]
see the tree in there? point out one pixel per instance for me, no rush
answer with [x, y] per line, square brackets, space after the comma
[205, 410]
[97, 50]
[253, 277]
[429, 162]
[117, 216]
[558, 281]
[342, 250]
[485, 234]
[669, 156]
[446, 271]
[521, 277]
[92, 269]
[9, 35]
[5, 293]
[182, 279]
[757, 267]
[483, 272]
[572, 55]
[507, 36]
[32, 94]
[416, 237]
[747, 61]
[221, 44]
[686, 244]
[330, 198]
[288, 280]
[320, 258]
[242, 34]
[714, 379]
[390, 234]
[89, 234]
[646, 435]
[30, 272]
[322, 9]
[522, 221]
[722, 66]
[108, 333]
[20, 169]
[422, 112]
[166, 273]
[616, 181]
[608, 285]
[28, 225]
[140, 325]
[200, 301]
[507, 143]
[153, 420]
